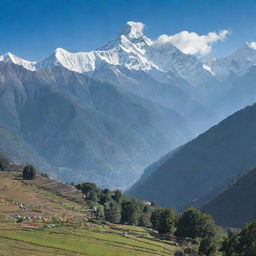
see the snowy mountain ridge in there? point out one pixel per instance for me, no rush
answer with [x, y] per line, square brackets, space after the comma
[135, 51]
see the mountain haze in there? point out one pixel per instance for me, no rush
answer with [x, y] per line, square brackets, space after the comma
[74, 123]
[198, 170]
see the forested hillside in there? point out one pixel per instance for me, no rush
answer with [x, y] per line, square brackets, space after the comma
[200, 169]
[237, 204]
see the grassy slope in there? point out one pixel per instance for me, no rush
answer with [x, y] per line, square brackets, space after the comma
[77, 238]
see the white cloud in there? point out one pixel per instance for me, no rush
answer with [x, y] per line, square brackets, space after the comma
[192, 43]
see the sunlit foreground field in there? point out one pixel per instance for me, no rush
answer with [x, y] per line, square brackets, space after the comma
[73, 240]
[53, 225]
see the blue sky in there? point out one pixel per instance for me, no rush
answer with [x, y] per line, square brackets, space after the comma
[32, 29]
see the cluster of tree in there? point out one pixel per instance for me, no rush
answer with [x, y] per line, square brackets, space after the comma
[215, 242]
[29, 171]
[240, 243]
[114, 207]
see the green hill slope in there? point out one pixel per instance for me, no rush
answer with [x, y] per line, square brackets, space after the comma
[200, 169]
[235, 206]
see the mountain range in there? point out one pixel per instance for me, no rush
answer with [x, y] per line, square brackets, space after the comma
[105, 115]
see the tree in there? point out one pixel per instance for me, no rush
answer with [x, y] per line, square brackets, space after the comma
[131, 211]
[241, 244]
[208, 246]
[79, 187]
[148, 209]
[167, 221]
[29, 172]
[230, 244]
[193, 223]
[117, 196]
[144, 220]
[164, 220]
[91, 191]
[4, 164]
[105, 196]
[247, 240]
[113, 213]
[100, 215]
[156, 218]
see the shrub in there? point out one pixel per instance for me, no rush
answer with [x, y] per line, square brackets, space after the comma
[45, 175]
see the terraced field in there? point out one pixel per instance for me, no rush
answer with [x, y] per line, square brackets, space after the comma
[54, 225]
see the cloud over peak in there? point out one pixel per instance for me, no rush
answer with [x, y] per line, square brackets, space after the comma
[192, 43]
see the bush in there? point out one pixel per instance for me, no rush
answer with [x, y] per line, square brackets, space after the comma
[45, 175]
[247, 240]
[29, 172]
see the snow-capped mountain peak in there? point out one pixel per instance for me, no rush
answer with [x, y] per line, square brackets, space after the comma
[135, 51]
[9, 57]
[239, 62]
[131, 34]
[132, 29]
